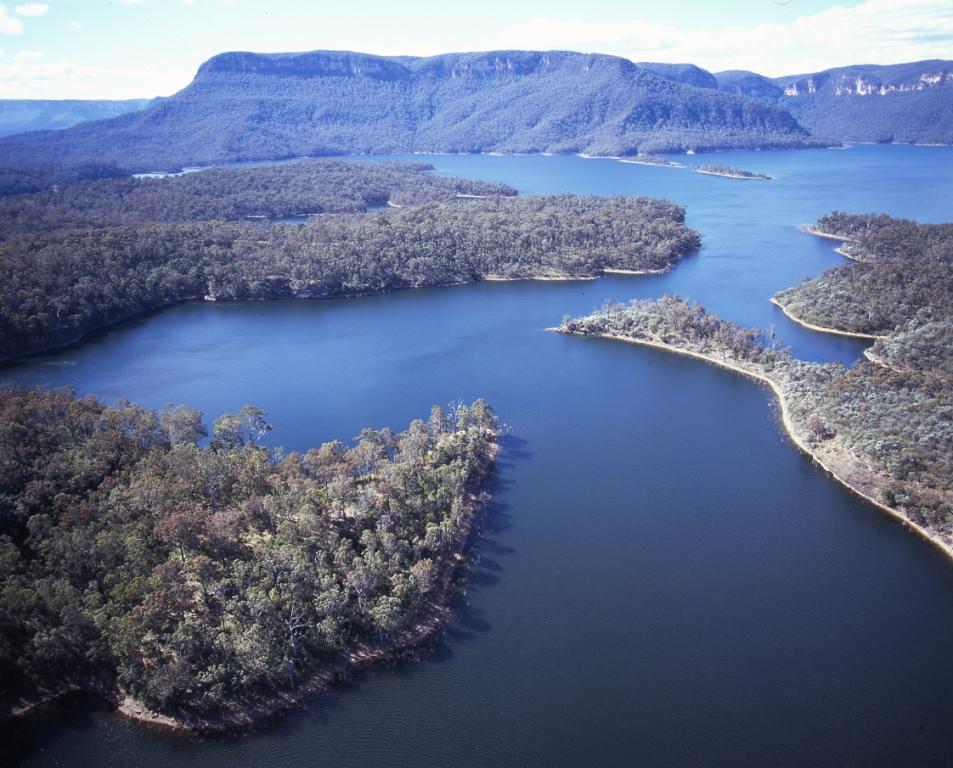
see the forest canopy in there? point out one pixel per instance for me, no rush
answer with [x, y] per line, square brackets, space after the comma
[59, 284]
[199, 578]
[902, 270]
[233, 194]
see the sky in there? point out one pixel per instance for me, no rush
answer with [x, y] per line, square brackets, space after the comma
[116, 49]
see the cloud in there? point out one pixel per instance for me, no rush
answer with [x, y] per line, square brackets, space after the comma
[31, 9]
[30, 75]
[875, 31]
[8, 24]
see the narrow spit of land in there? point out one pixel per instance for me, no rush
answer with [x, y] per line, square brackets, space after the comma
[873, 428]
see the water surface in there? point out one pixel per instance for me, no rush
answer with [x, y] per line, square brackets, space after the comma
[663, 579]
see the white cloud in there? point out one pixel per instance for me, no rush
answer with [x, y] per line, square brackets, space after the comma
[8, 24]
[76, 25]
[31, 9]
[30, 75]
[875, 31]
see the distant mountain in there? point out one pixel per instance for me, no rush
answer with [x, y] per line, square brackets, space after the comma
[903, 103]
[243, 106]
[22, 115]
[746, 83]
[687, 74]
[910, 103]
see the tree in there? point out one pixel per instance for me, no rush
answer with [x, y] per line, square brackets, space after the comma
[183, 424]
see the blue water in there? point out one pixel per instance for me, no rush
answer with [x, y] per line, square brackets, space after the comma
[662, 578]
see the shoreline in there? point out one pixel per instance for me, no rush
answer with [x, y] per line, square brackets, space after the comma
[822, 329]
[615, 271]
[731, 175]
[799, 442]
[810, 230]
[541, 278]
[842, 239]
[651, 164]
[335, 670]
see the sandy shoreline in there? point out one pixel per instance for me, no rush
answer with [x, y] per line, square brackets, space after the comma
[558, 278]
[810, 230]
[824, 462]
[821, 328]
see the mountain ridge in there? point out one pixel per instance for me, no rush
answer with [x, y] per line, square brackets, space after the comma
[246, 106]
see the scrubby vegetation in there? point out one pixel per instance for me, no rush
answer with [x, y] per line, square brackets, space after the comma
[886, 433]
[230, 194]
[199, 579]
[729, 172]
[921, 345]
[903, 270]
[56, 287]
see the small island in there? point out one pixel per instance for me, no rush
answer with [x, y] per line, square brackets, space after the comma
[208, 585]
[728, 172]
[874, 428]
[652, 160]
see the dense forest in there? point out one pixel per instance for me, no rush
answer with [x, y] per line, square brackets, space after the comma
[230, 194]
[199, 579]
[923, 344]
[887, 433]
[245, 106]
[22, 181]
[58, 286]
[903, 270]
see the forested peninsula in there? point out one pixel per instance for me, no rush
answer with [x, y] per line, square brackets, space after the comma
[903, 273]
[151, 249]
[885, 432]
[206, 586]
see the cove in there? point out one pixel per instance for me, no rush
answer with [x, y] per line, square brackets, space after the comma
[663, 578]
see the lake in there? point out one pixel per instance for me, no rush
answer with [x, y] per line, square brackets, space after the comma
[662, 578]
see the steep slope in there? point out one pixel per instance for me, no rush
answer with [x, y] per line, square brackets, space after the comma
[252, 106]
[906, 103]
[687, 74]
[746, 83]
[22, 115]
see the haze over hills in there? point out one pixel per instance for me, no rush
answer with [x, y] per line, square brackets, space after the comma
[264, 106]
[22, 115]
